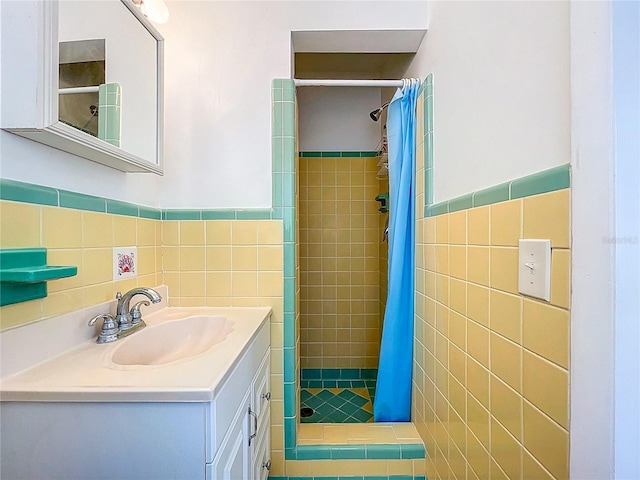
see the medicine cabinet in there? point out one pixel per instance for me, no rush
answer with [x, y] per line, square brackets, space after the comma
[85, 77]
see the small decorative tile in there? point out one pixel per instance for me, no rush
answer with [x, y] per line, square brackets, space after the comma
[124, 263]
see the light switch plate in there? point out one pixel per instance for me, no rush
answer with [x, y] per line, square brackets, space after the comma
[534, 268]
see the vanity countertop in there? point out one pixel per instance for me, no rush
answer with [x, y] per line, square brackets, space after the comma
[87, 374]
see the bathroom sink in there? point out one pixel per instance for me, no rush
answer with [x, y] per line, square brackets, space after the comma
[172, 341]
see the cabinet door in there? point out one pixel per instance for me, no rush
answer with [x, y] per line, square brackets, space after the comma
[232, 458]
[262, 456]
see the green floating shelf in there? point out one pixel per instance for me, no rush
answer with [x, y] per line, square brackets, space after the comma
[24, 274]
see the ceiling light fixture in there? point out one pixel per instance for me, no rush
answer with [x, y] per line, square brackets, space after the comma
[155, 10]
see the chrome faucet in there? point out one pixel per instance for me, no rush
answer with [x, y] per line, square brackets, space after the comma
[125, 321]
[123, 316]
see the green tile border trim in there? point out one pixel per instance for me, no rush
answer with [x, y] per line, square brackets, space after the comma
[542, 182]
[428, 139]
[364, 154]
[12, 190]
[284, 159]
[338, 373]
[82, 202]
[557, 178]
[495, 194]
[373, 451]
[15, 191]
[221, 214]
[28, 193]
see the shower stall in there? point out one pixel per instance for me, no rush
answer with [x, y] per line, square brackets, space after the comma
[343, 256]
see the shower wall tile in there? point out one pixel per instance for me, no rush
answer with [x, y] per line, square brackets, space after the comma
[491, 368]
[340, 259]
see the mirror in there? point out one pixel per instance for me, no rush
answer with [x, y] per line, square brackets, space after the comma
[100, 93]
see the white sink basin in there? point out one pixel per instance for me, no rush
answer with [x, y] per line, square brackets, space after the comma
[172, 341]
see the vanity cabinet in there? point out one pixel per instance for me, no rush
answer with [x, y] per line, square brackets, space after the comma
[137, 438]
[244, 448]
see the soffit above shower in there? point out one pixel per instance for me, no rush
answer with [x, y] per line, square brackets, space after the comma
[352, 66]
[357, 41]
[354, 54]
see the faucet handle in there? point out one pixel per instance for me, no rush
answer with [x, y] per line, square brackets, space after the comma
[118, 295]
[109, 331]
[136, 314]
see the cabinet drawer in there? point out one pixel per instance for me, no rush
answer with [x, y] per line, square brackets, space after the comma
[261, 389]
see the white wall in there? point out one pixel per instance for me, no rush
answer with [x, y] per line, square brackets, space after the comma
[337, 118]
[520, 87]
[220, 58]
[626, 98]
[501, 91]
[592, 254]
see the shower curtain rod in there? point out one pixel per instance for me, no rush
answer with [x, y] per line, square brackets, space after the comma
[348, 83]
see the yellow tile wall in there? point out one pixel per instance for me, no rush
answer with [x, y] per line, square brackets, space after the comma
[223, 263]
[383, 254]
[491, 367]
[215, 263]
[339, 262]
[84, 239]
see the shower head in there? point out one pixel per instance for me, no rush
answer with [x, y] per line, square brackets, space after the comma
[376, 114]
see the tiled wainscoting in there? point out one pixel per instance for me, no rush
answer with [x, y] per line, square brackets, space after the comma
[354, 477]
[491, 366]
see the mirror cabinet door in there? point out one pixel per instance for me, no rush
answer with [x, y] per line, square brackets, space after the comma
[101, 85]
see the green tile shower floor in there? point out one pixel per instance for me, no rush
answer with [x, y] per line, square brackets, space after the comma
[339, 405]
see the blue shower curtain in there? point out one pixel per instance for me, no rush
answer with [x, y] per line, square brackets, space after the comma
[392, 401]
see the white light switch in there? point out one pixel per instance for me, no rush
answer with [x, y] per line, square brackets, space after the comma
[534, 268]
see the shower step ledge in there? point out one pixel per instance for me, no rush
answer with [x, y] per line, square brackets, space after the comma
[379, 441]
